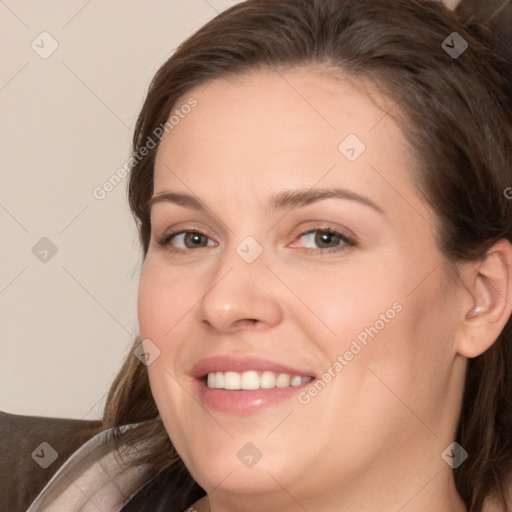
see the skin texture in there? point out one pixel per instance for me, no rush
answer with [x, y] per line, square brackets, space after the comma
[373, 437]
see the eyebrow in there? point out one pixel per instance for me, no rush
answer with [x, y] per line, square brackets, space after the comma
[285, 200]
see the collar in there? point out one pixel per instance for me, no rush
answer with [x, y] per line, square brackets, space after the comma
[95, 477]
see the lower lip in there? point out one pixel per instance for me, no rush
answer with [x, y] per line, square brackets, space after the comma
[245, 402]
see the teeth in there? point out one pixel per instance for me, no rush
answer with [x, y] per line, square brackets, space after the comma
[251, 380]
[219, 380]
[231, 380]
[283, 381]
[268, 380]
[296, 381]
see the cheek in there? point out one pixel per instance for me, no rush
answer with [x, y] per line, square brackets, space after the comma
[350, 303]
[162, 300]
[413, 353]
[388, 321]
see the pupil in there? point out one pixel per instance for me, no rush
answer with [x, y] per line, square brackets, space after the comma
[195, 238]
[326, 238]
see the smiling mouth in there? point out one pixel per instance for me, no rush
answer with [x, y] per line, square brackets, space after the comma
[253, 380]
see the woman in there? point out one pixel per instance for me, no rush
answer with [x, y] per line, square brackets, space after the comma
[322, 190]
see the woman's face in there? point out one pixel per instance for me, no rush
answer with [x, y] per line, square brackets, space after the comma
[315, 277]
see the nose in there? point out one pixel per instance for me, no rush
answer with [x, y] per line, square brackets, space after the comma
[240, 295]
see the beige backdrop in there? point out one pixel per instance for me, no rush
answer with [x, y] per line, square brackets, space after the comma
[72, 80]
[67, 319]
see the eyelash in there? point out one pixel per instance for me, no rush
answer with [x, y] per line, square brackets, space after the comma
[348, 242]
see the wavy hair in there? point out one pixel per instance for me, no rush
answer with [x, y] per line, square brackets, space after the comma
[456, 114]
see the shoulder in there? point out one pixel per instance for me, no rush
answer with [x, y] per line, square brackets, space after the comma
[33, 448]
[86, 465]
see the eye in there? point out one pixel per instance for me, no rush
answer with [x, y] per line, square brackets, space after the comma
[327, 239]
[192, 239]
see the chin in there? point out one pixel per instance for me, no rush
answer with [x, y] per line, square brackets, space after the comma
[241, 466]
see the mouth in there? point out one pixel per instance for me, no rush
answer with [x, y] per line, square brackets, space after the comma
[245, 385]
[253, 379]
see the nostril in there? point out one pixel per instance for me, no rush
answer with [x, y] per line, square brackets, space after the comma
[246, 321]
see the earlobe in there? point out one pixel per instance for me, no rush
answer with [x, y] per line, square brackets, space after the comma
[490, 286]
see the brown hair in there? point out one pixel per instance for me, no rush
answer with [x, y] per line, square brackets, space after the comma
[456, 114]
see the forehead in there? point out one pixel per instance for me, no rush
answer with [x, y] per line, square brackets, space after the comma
[280, 129]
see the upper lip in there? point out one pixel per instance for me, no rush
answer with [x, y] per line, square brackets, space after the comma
[240, 364]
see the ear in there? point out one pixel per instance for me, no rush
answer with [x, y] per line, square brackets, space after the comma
[489, 282]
